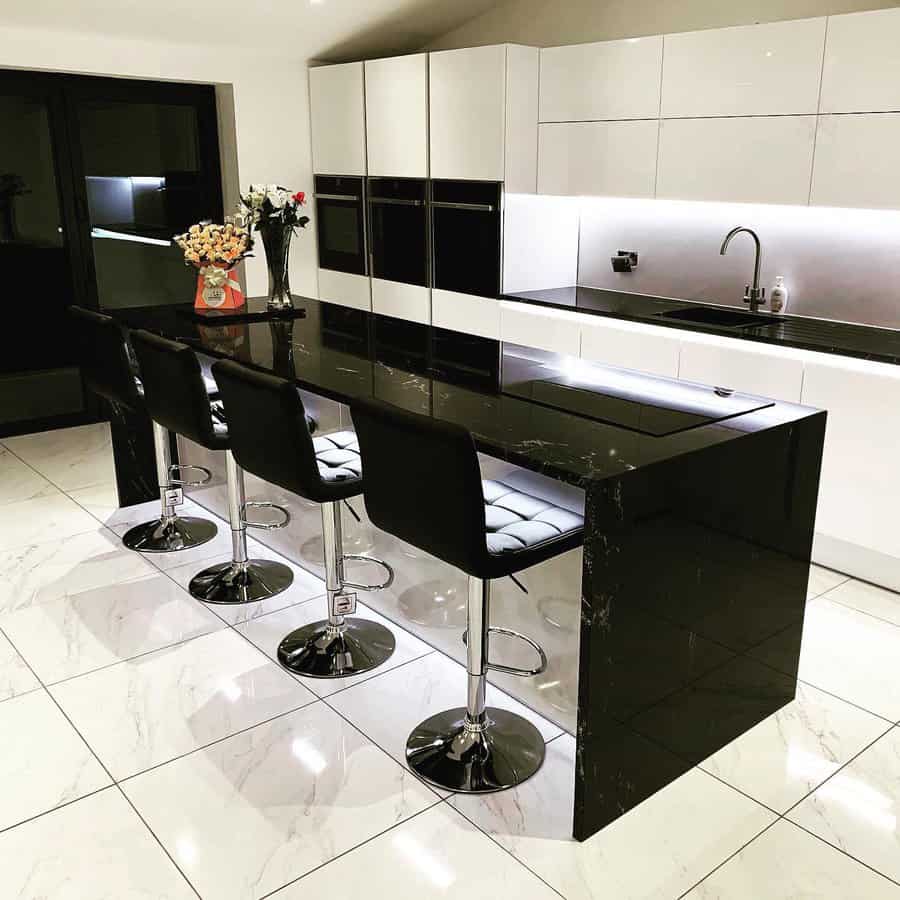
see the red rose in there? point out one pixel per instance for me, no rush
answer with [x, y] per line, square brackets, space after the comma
[299, 197]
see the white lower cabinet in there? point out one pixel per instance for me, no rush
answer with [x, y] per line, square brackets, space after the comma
[466, 313]
[630, 345]
[345, 289]
[774, 372]
[402, 301]
[555, 330]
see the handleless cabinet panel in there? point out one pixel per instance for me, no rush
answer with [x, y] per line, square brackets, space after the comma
[750, 70]
[856, 161]
[615, 159]
[337, 117]
[862, 62]
[345, 289]
[467, 91]
[466, 313]
[555, 330]
[397, 116]
[606, 80]
[741, 160]
[630, 345]
[411, 302]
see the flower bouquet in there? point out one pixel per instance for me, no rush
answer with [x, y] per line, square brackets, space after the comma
[276, 213]
[215, 250]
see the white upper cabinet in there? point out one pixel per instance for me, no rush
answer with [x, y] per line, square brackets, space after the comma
[607, 80]
[397, 116]
[741, 160]
[752, 70]
[483, 115]
[338, 121]
[857, 161]
[862, 62]
[615, 159]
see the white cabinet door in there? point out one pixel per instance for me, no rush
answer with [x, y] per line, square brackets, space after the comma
[467, 91]
[751, 70]
[742, 160]
[466, 313]
[630, 345]
[862, 62]
[556, 330]
[411, 302]
[773, 372]
[615, 159]
[397, 116]
[857, 161]
[345, 289]
[860, 489]
[607, 80]
[337, 116]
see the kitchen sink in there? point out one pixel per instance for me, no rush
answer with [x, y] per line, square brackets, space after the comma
[724, 318]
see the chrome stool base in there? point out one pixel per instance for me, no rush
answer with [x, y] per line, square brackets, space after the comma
[321, 650]
[169, 535]
[235, 583]
[448, 753]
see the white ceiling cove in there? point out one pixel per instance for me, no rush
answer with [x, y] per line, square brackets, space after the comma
[298, 29]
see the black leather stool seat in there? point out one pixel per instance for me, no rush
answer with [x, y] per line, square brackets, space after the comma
[523, 510]
[337, 456]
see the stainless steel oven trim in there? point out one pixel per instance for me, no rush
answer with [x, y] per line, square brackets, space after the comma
[395, 201]
[350, 198]
[470, 207]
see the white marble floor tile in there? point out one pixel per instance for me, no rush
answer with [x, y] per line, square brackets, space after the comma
[15, 676]
[822, 580]
[658, 850]
[789, 754]
[81, 632]
[19, 481]
[868, 598]
[786, 863]
[268, 631]
[304, 587]
[69, 457]
[251, 813]
[37, 573]
[42, 520]
[389, 706]
[43, 763]
[852, 655]
[167, 703]
[436, 854]
[100, 500]
[858, 810]
[95, 849]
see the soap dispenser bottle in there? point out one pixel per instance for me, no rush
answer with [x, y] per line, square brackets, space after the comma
[779, 297]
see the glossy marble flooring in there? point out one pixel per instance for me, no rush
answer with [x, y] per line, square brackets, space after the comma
[151, 748]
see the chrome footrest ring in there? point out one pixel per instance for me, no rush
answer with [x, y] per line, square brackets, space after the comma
[514, 670]
[369, 587]
[175, 471]
[265, 526]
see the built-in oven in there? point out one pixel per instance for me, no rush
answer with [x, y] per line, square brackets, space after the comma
[398, 230]
[341, 223]
[466, 221]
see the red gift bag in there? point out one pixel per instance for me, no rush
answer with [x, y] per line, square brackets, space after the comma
[218, 288]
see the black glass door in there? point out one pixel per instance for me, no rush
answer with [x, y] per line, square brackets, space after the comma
[398, 230]
[466, 221]
[340, 221]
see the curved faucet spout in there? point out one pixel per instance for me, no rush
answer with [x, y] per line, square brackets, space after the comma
[754, 295]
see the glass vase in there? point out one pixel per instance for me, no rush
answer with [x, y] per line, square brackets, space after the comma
[276, 238]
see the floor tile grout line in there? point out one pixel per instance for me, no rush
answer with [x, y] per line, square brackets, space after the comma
[53, 809]
[105, 769]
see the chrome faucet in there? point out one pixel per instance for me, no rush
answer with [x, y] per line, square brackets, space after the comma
[753, 294]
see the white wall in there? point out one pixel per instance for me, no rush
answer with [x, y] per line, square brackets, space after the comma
[271, 111]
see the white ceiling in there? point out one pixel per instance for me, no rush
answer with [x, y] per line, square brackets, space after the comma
[301, 29]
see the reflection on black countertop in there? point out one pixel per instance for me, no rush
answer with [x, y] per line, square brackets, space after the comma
[699, 514]
[821, 335]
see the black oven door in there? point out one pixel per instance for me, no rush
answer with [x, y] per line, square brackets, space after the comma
[341, 224]
[398, 230]
[465, 222]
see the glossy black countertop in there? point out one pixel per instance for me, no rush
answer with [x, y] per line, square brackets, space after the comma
[575, 421]
[820, 335]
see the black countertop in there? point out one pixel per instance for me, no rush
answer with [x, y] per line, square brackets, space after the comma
[575, 421]
[860, 341]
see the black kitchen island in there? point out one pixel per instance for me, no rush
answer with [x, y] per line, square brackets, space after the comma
[700, 507]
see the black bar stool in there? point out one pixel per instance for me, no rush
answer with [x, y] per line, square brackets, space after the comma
[271, 438]
[109, 371]
[176, 398]
[488, 529]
